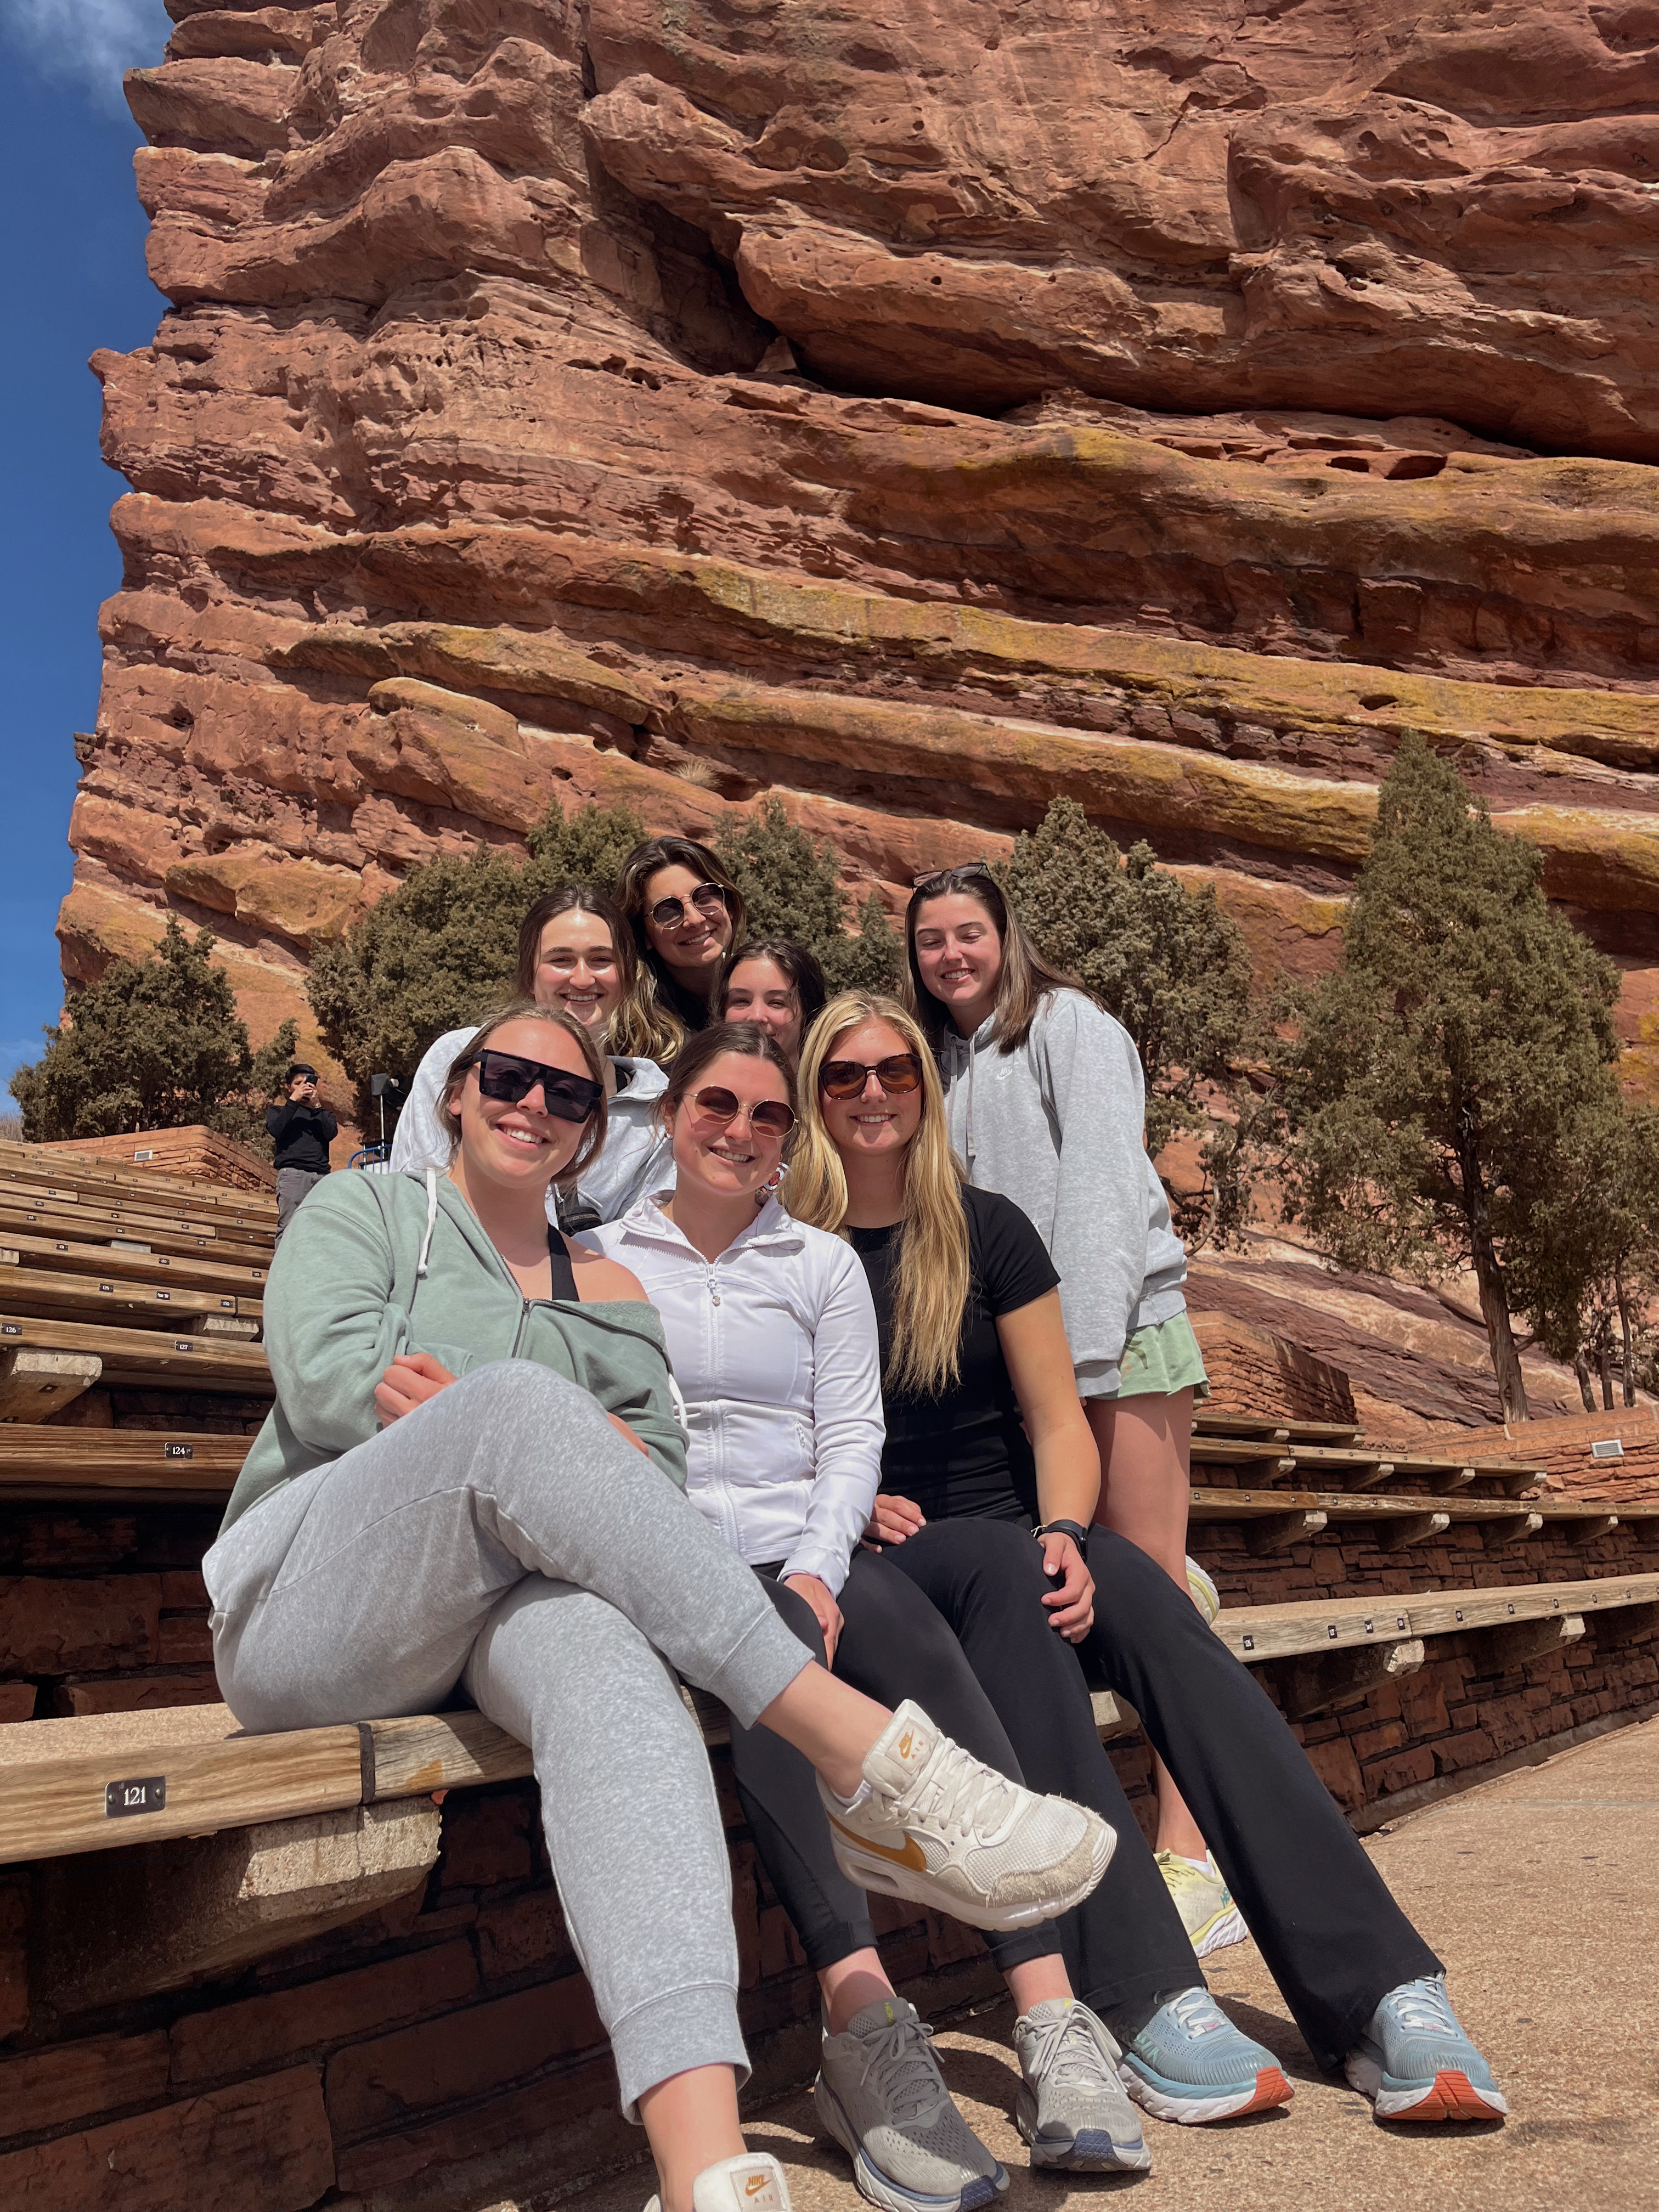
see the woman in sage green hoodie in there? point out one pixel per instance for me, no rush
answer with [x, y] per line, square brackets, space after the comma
[473, 1474]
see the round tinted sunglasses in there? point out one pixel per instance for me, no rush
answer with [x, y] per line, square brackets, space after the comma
[846, 1078]
[708, 899]
[509, 1080]
[715, 1103]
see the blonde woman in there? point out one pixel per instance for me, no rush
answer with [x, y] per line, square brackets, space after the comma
[988, 1446]
[575, 953]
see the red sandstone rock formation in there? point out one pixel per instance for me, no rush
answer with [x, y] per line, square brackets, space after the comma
[556, 397]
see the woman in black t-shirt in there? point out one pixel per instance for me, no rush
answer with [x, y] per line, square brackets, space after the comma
[985, 1438]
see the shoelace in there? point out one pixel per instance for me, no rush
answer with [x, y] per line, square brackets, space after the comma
[956, 1788]
[1422, 2008]
[1195, 2012]
[1074, 2051]
[1184, 1874]
[901, 2058]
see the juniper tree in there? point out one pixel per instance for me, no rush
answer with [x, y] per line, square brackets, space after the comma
[155, 1043]
[1431, 1097]
[1168, 963]
[793, 888]
[1586, 1275]
[442, 946]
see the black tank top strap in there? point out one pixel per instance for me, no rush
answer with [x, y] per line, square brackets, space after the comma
[558, 1261]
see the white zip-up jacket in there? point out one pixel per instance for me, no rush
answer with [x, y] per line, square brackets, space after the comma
[1057, 1126]
[636, 1157]
[773, 1348]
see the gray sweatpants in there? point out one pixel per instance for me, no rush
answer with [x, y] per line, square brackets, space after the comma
[293, 1187]
[506, 1536]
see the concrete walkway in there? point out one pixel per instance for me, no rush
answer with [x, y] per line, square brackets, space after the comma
[1539, 1893]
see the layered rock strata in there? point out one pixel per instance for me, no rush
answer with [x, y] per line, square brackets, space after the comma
[683, 402]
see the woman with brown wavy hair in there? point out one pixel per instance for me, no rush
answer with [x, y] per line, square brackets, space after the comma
[686, 914]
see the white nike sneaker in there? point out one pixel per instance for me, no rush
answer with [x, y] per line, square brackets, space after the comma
[881, 2095]
[752, 2183]
[937, 1825]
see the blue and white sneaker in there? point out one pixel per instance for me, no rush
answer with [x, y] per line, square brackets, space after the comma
[1072, 2110]
[1415, 2063]
[1189, 2064]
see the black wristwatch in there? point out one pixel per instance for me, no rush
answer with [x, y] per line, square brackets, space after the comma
[1074, 1529]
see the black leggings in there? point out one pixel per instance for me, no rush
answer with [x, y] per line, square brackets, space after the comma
[894, 1646]
[1333, 1938]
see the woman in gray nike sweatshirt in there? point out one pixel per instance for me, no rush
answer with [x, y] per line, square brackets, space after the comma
[1048, 1104]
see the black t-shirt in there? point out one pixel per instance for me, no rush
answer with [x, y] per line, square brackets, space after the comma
[965, 1451]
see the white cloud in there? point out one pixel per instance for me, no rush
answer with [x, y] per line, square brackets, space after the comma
[89, 42]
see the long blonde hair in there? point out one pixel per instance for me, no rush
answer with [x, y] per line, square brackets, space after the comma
[931, 1292]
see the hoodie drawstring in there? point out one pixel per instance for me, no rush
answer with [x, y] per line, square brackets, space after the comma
[431, 1224]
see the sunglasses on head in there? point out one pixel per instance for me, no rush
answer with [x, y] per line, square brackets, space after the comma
[846, 1078]
[951, 879]
[509, 1080]
[715, 1103]
[708, 899]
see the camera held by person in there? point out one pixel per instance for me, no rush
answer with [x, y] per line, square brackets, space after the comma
[301, 1129]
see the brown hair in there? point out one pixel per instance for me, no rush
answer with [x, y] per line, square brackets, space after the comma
[635, 873]
[747, 1039]
[640, 1027]
[799, 967]
[526, 1010]
[931, 1293]
[1025, 980]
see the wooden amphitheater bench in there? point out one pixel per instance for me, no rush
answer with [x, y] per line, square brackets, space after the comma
[180, 1239]
[106, 1294]
[138, 1358]
[1356, 1468]
[111, 1780]
[274, 1839]
[1277, 1518]
[66, 1465]
[67, 1256]
[34, 1175]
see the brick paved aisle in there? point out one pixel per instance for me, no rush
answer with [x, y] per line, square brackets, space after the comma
[1539, 1892]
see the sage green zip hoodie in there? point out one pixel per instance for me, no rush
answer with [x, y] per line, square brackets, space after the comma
[372, 1266]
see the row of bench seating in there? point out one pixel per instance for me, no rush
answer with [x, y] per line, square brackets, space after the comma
[103, 1783]
[48, 1462]
[75, 1178]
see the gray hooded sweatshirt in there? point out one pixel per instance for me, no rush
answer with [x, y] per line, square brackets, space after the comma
[1056, 1125]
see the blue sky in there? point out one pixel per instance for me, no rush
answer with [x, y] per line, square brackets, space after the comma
[76, 281]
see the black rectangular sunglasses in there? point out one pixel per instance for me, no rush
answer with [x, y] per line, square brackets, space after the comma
[508, 1080]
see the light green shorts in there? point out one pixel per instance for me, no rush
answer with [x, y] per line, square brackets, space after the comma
[1163, 1359]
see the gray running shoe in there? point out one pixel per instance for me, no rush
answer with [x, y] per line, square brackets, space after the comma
[934, 1824]
[1415, 2063]
[880, 2094]
[1072, 2109]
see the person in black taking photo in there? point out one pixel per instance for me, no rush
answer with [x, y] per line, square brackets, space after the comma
[301, 1129]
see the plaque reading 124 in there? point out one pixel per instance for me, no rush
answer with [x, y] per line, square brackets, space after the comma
[148, 1794]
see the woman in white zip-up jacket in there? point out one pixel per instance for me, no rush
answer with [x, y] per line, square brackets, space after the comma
[771, 1330]
[577, 953]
